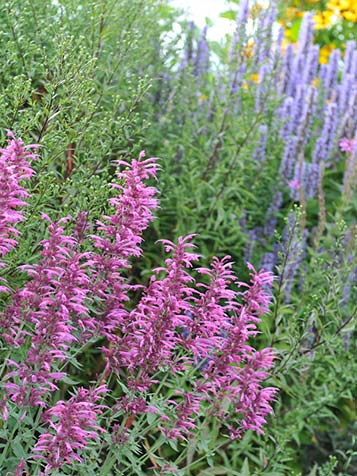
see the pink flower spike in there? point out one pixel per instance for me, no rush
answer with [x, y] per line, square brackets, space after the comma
[347, 145]
[73, 424]
[294, 184]
[119, 239]
[14, 168]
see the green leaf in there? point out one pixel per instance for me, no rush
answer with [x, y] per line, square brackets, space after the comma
[17, 448]
[245, 468]
[229, 14]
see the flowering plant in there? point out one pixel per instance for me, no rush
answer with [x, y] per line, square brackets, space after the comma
[181, 329]
[147, 366]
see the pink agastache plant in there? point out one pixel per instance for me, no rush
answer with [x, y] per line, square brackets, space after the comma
[14, 169]
[347, 145]
[199, 330]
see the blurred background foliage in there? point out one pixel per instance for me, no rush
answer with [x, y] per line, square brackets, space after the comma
[335, 22]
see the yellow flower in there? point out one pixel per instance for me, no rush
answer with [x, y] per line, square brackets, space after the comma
[350, 15]
[345, 8]
[292, 12]
[202, 98]
[256, 10]
[315, 82]
[254, 78]
[248, 50]
[323, 20]
[325, 52]
[339, 5]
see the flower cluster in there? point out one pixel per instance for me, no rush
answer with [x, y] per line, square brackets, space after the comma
[210, 323]
[46, 313]
[346, 9]
[150, 329]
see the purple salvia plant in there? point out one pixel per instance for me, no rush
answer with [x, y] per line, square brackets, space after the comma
[240, 34]
[278, 62]
[263, 89]
[289, 156]
[237, 80]
[298, 107]
[271, 217]
[322, 72]
[269, 261]
[350, 284]
[312, 63]
[353, 69]
[305, 35]
[283, 117]
[311, 179]
[345, 89]
[260, 150]
[348, 57]
[330, 80]
[188, 48]
[264, 40]
[299, 62]
[298, 182]
[201, 60]
[304, 43]
[252, 236]
[307, 116]
[325, 142]
[287, 72]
